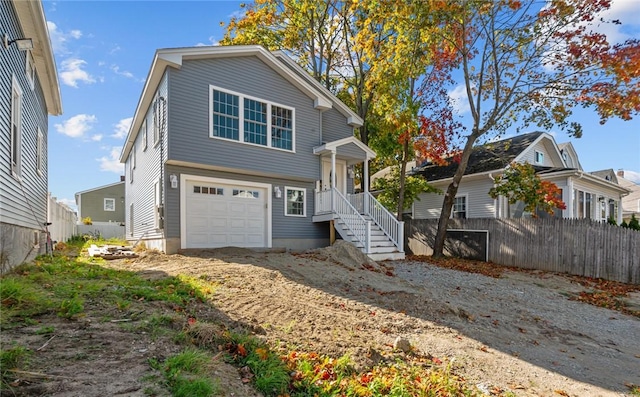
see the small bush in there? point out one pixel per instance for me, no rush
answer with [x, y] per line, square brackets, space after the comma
[87, 221]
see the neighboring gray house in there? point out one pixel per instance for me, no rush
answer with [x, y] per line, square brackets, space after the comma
[587, 195]
[104, 204]
[29, 92]
[239, 146]
[631, 202]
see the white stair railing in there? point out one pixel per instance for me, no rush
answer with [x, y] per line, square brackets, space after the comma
[354, 222]
[392, 227]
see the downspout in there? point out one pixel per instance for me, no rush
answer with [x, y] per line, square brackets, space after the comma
[161, 127]
[496, 201]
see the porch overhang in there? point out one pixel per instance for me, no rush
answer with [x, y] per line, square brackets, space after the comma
[350, 149]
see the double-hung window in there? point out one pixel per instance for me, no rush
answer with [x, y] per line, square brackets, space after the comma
[109, 204]
[16, 127]
[296, 204]
[460, 207]
[251, 120]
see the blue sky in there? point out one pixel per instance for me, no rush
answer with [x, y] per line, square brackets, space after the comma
[104, 49]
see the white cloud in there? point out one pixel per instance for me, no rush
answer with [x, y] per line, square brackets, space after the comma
[72, 72]
[59, 39]
[116, 70]
[77, 125]
[96, 138]
[122, 128]
[459, 100]
[627, 12]
[111, 163]
[212, 41]
[632, 176]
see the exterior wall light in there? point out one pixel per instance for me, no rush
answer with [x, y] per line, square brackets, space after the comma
[24, 44]
[277, 192]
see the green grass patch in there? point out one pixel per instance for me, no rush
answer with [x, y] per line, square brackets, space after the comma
[187, 374]
[15, 358]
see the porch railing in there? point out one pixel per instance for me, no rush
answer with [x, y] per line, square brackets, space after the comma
[332, 201]
[392, 227]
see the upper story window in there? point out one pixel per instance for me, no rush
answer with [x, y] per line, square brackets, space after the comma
[251, 120]
[30, 69]
[143, 131]
[460, 207]
[539, 157]
[16, 127]
[132, 163]
[40, 152]
[109, 204]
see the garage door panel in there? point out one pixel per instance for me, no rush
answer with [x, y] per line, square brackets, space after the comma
[224, 219]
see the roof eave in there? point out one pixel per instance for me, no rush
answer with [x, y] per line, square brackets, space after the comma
[34, 26]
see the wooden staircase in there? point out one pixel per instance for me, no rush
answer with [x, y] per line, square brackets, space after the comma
[361, 220]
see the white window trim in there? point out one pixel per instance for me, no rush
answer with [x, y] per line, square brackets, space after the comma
[16, 116]
[156, 120]
[241, 98]
[540, 155]
[40, 153]
[304, 201]
[466, 206]
[132, 163]
[30, 69]
[143, 131]
[106, 200]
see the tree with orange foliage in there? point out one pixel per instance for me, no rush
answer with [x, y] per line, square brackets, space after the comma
[521, 183]
[528, 63]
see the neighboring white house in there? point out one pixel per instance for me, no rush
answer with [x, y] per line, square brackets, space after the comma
[595, 196]
[630, 202]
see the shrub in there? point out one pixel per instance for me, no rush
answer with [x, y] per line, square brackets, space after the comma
[87, 221]
[634, 223]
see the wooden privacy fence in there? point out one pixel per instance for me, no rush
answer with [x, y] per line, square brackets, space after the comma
[575, 246]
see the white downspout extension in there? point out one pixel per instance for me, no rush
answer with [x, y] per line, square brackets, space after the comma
[365, 185]
[569, 202]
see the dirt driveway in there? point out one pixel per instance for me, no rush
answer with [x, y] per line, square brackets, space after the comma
[518, 333]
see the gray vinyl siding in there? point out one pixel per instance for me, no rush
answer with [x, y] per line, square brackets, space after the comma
[92, 204]
[149, 162]
[189, 139]
[334, 126]
[283, 227]
[479, 203]
[23, 200]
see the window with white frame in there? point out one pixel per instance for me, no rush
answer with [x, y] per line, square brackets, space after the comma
[30, 69]
[459, 207]
[143, 131]
[296, 203]
[40, 152]
[109, 204]
[251, 120]
[132, 163]
[539, 157]
[16, 126]
[156, 122]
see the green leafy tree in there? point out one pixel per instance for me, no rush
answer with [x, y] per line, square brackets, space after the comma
[520, 182]
[633, 223]
[389, 188]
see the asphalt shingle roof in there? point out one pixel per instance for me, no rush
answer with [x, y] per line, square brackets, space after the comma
[484, 158]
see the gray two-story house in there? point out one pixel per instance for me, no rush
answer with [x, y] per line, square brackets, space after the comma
[239, 146]
[29, 92]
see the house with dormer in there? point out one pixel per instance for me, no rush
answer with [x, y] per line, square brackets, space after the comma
[591, 195]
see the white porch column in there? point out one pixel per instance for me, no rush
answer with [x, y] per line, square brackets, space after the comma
[365, 176]
[333, 168]
[619, 205]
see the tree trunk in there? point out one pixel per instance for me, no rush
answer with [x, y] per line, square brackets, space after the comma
[450, 195]
[403, 178]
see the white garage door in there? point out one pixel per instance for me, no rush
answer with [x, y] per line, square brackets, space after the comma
[221, 215]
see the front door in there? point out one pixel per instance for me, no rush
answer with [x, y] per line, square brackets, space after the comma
[341, 175]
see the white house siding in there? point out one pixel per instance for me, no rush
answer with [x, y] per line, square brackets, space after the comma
[479, 203]
[546, 148]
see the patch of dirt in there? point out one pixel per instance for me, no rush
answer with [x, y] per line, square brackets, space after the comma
[519, 332]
